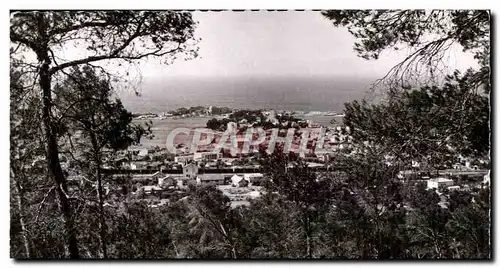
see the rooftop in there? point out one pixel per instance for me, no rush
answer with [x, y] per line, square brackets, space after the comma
[441, 179]
[149, 188]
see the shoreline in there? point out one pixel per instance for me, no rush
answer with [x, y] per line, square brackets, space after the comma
[162, 127]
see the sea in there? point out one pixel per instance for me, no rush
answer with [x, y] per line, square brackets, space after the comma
[290, 93]
[287, 93]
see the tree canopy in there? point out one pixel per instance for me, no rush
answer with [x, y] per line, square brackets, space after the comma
[429, 34]
[126, 36]
[430, 124]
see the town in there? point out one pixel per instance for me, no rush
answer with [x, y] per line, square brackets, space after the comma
[155, 174]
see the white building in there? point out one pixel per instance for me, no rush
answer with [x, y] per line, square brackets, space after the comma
[143, 152]
[454, 188]
[190, 171]
[216, 179]
[435, 183]
[238, 181]
[149, 189]
[184, 159]
[138, 165]
[206, 156]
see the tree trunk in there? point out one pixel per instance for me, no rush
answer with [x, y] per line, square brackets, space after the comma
[307, 227]
[229, 239]
[22, 221]
[233, 252]
[102, 220]
[54, 165]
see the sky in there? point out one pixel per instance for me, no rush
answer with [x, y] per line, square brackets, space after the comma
[287, 43]
[266, 43]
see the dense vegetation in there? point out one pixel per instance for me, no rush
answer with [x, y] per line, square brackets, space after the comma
[302, 215]
[201, 110]
[254, 118]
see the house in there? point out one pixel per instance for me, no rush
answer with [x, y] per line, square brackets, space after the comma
[238, 181]
[142, 152]
[184, 159]
[215, 179]
[190, 171]
[211, 165]
[151, 189]
[138, 165]
[207, 156]
[435, 183]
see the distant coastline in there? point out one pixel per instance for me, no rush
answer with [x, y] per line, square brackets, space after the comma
[307, 94]
[164, 122]
[210, 111]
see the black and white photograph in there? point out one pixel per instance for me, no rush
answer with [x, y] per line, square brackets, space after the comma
[332, 134]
